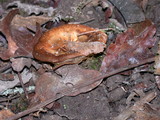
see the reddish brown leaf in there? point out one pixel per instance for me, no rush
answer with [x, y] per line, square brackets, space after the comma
[4, 114]
[6, 77]
[129, 49]
[108, 14]
[157, 61]
[6, 30]
[20, 40]
[55, 3]
[140, 27]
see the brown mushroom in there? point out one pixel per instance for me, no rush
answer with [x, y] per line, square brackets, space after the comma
[67, 42]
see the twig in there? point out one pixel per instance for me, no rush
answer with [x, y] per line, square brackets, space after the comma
[82, 22]
[39, 106]
[149, 60]
[138, 106]
[33, 109]
[21, 81]
[8, 99]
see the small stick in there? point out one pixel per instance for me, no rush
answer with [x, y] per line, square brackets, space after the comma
[8, 99]
[82, 22]
[31, 110]
[39, 106]
[149, 60]
[21, 81]
[138, 106]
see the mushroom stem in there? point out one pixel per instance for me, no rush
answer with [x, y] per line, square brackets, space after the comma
[105, 29]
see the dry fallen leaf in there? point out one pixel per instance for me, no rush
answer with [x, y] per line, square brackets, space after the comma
[69, 81]
[31, 9]
[20, 39]
[141, 110]
[5, 113]
[142, 3]
[29, 22]
[129, 49]
[148, 113]
[19, 63]
[141, 26]
[157, 67]
[157, 62]
[26, 76]
[157, 78]
[68, 42]
[5, 29]
[6, 76]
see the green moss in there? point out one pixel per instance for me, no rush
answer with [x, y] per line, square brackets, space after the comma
[93, 62]
[20, 104]
[114, 28]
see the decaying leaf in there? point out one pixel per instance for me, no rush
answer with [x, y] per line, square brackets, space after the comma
[20, 40]
[69, 82]
[29, 9]
[141, 110]
[5, 113]
[29, 22]
[157, 62]
[5, 29]
[19, 63]
[68, 42]
[6, 77]
[129, 49]
[157, 67]
[142, 3]
[141, 26]
[26, 76]
[157, 78]
[148, 113]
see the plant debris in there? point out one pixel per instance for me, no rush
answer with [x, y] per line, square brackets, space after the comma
[67, 82]
[20, 40]
[129, 49]
[29, 9]
[93, 60]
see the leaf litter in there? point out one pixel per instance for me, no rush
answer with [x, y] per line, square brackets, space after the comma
[21, 34]
[129, 49]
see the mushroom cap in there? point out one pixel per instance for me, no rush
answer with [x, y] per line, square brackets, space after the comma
[68, 42]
